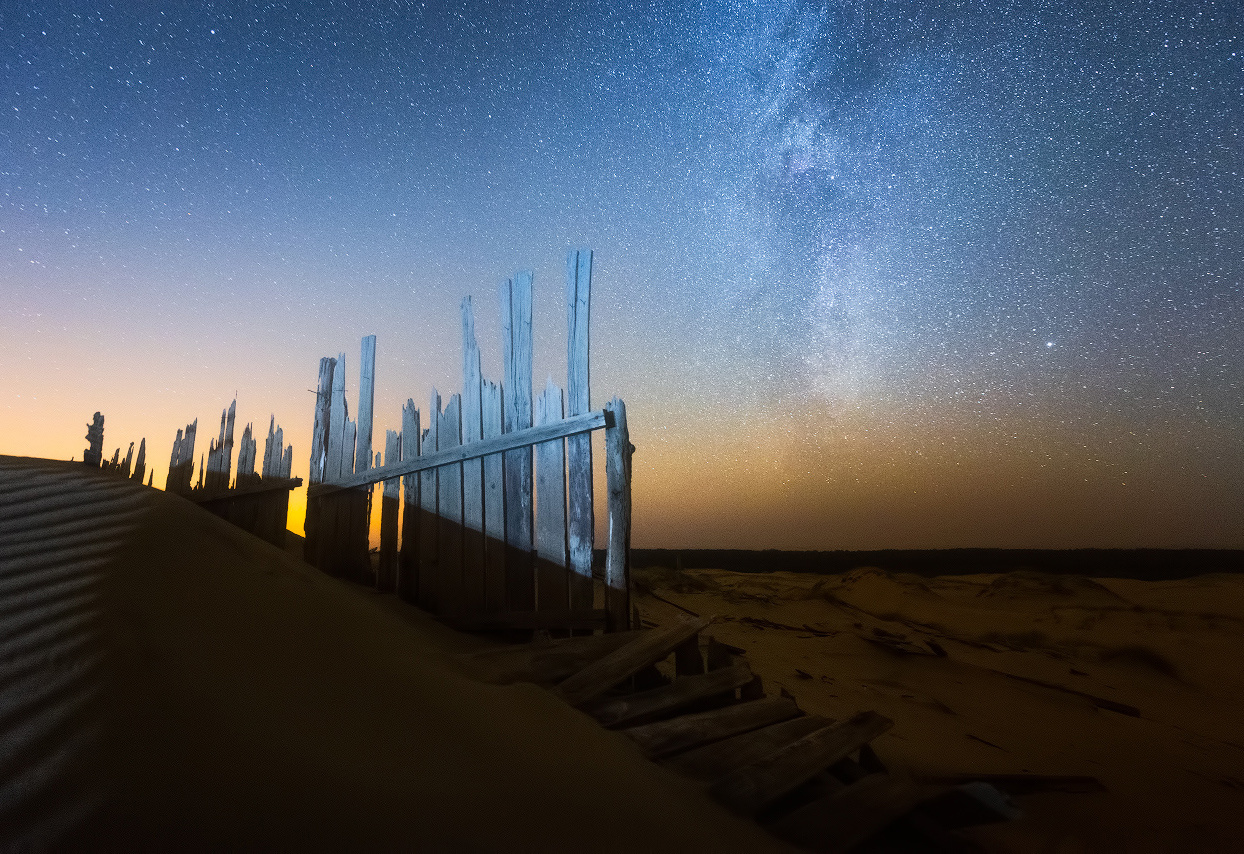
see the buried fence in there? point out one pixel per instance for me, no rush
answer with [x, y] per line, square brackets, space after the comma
[496, 488]
[258, 503]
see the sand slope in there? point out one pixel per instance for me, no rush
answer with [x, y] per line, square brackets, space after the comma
[184, 686]
[1021, 658]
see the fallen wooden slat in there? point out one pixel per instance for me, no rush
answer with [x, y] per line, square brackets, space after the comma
[650, 647]
[720, 758]
[582, 618]
[845, 818]
[633, 709]
[690, 731]
[546, 663]
[750, 788]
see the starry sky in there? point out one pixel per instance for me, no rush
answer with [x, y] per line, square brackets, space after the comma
[868, 275]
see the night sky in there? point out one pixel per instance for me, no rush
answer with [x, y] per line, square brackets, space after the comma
[868, 275]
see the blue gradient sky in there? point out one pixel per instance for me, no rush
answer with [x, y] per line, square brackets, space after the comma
[872, 275]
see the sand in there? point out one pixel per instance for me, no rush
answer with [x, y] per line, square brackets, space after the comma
[1022, 657]
[169, 682]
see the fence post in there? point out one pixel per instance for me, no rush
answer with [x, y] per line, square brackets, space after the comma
[516, 350]
[408, 557]
[319, 457]
[618, 450]
[94, 454]
[473, 579]
[386, 577]
[581, 524]
[552, 581]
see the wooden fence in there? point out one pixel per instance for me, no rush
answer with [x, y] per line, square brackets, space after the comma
[94, 454]
[497, 522]
[258, 503]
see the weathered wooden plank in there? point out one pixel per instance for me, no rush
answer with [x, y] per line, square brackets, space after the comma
[367, 400]
[269, 448]
[718, 758]
[473, 593]
[747, 790]
[585, 619]
[258, 487]
[94, 454]
[338, 413]
[520, 439]
[546, 662]
[449, 509]
[428, 592]
[408, 555]
[128, 461]
[552, 581]
[319, 427]
[140, 465]
[618, 451]
[386, 578]
[598, 677]
[494, 502]
[287, 462]
[581, 521]
[227, 448]
[516, 351]
[665, 738]
[640, 708]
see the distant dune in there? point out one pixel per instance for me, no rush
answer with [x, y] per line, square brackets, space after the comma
[1145, 564]
[169, 682]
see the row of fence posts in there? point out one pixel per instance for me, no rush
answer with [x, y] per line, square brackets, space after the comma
[487, 537]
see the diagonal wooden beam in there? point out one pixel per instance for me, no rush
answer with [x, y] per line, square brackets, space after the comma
[505, 442]
[751, 788]
[650, 647]
[634, 709]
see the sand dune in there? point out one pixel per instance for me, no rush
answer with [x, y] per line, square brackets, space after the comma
[169, 682]
[1137, 684]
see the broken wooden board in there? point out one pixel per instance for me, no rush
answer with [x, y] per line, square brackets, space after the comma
[715, 760]
[649, 648]
[750, 788]
[546, 663]
[665, 738]
[634, 709]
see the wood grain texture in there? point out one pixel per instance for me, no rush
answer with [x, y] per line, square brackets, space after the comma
[749, 789]
[449, 509]
[517, 408]
[367, 399]
[408, 553]
[644, 706]
[494, 502]
[581, 521]
[473, 469]
[552, 582]
[428, 528]
[618, 450]
[665, 738]
[520, 439]
[650, 647]
[337, 421]
[386, 577]
[718, 758]
[319, 428]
